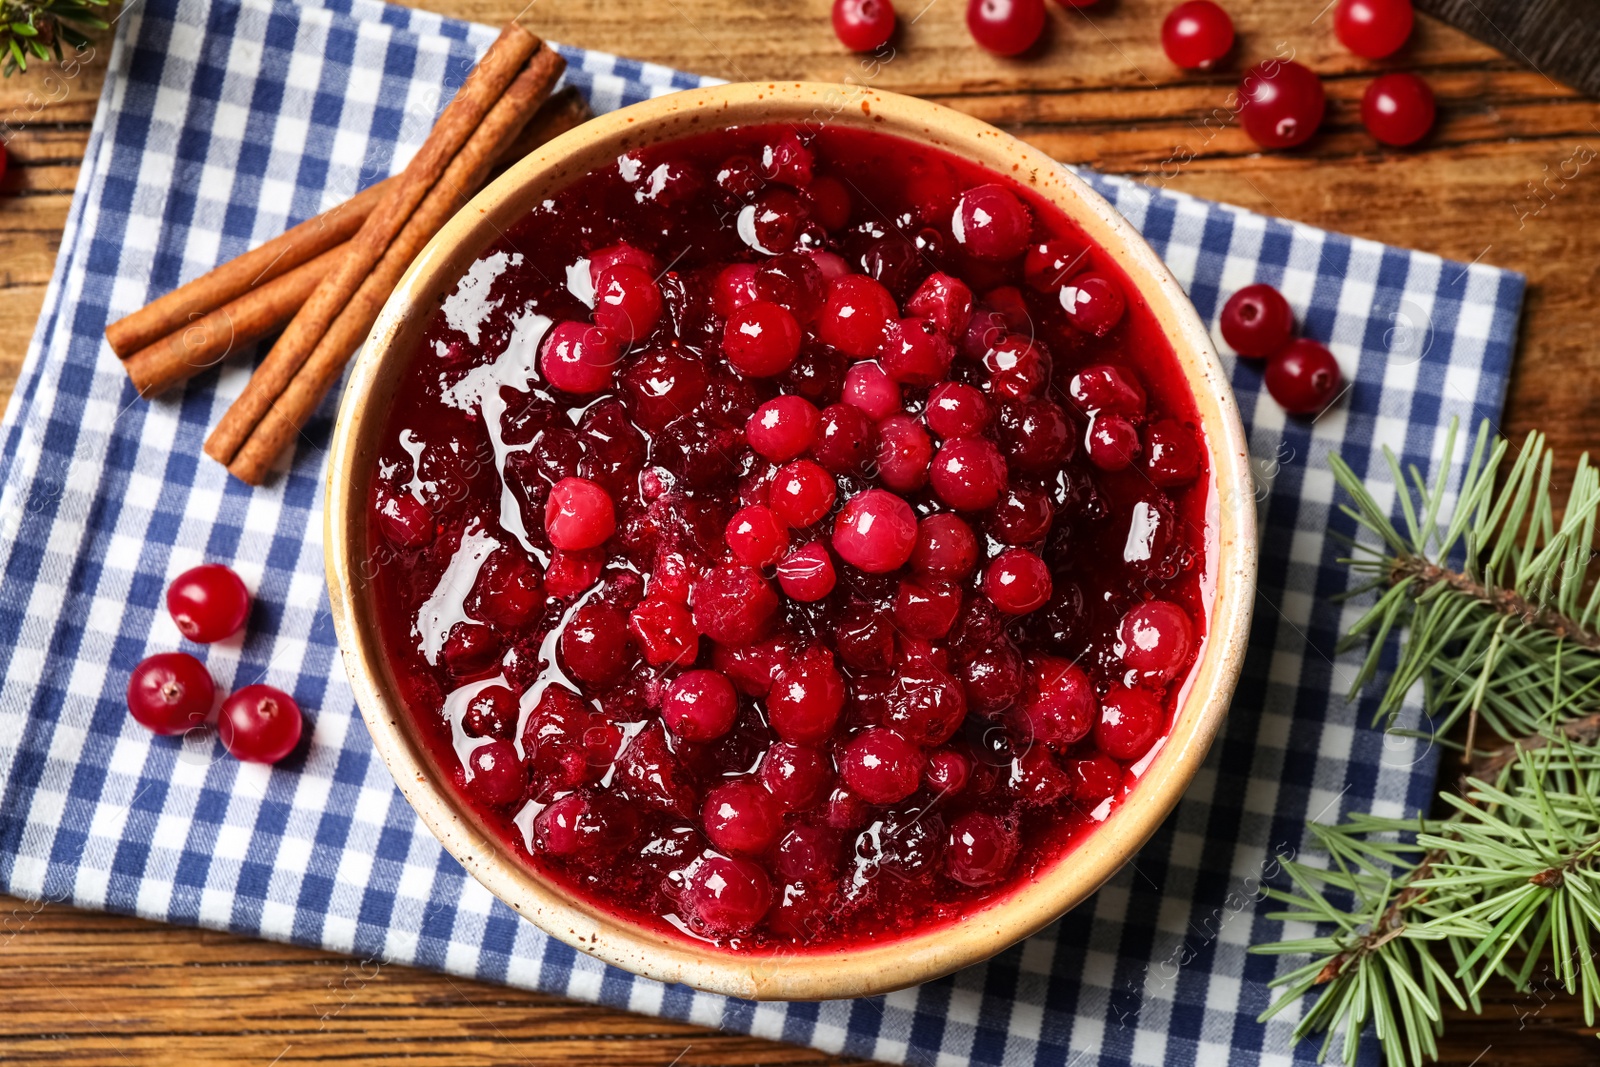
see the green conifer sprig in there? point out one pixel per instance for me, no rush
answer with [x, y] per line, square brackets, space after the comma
[1497, 614]
[37, 29]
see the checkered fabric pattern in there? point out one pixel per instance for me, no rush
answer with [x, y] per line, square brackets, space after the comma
[224, 121]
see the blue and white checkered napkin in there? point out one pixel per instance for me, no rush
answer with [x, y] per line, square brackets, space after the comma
[223, 122]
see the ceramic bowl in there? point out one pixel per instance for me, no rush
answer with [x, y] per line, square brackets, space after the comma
[785, 974]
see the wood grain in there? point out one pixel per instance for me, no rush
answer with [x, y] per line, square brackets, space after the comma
[81, 988]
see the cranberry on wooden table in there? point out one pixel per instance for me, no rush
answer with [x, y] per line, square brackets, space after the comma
[208, 602]
[1373, 28]
[1005, 27]
[863, 25]
[1281, 103]
[170, 693]
[1197, 34]
[1398, 109]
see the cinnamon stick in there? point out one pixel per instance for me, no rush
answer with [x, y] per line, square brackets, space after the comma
[484, 85]
[216, 329]
[299, 399]
[177, 310]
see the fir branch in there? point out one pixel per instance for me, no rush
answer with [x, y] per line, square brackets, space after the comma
[37, 29]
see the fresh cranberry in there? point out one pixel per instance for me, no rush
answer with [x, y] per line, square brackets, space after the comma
[772, 224]
[734, 288]
[856, 316]
[880, 766]
[945, 547]
[664, 631]
[796, 776]
[968, 473]
[806, 697]
[495, 776]
[947, 772]
[926, 608]
[956, 410]
[1106, 389]
[1023, 516]
[259, 724]
[1197, 34]
[405, 520]
[594, 643]
[875, 531]
[662, 385]
[1061, 708]
[989, 221]
[700, 705]
[741, 818]
[1171, 456]
[904, 452]
[846, 441]
[981, 849]
[1035, 434]
[733, 605]
[944, 301]
[1373, 29]
[807, 574]
[868, 388]
[802, 493]
[580, 358]
[1005, 27]
[756, 536]
[1398, 109]
[1156, 637]
[1017, 582]
[915, 352]
[1304, 377]
[170, 692]
[1282, 103]
[1129, 721]
[863, 25]
[1257, 321]
[627, 302]
[761, 340]
[208, 602]
[578, 515]
[1093, 303]
[782, 428]
[1113, 443]
[492, 712]
[1095, 779]
[725, 897]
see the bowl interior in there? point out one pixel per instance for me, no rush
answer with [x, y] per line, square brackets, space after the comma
[785, 974]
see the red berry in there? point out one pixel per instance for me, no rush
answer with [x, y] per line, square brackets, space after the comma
[756, 536]
[580, 826]
[807, 574]
[863, 25]
[1282, 103]
[1303, 378]
[831, 206]
[944, 301]
[761, 340]
[787, 160]
[1398, 109]
[782, 428]
[662, 384]
[404, 519]
[1047, 266]
[733, 605]
[1023, 516]
[1156, 637]
[497, 777]
[875, 531]
[956, 410]
[968, 473]
[208, 602]
[904, 452]
[1257, 321]
[618, 255]
[627, 302]
[1373, 29]
[802, 493]
[700, 706]
[989, 221]
[869, 389]
[946, 547]
[664, 631]
[1113, 443]
[1093, 303]
[1017, 582]
[1061, 709]
[1197, 34]
[170, 692]
[1129, 721]
[1005, 27]
[260, 724]
[795, 283]
[741, 818]
[508, 589]
[773, 223]
[797, 777]
[1108, 389]
[580, 358]
[880, 766]
[725, 897]
[1036, 435]
[915, 352]
[493, 712]
[981, 849]
[1095, 779]
[734, 288]
[856, 316]
[806, 698]
[808, 854]
[751, 668]
[846, 441]
[1171, 455]
[947, 772]
[578, 515]
[570, 573]
[594, 643]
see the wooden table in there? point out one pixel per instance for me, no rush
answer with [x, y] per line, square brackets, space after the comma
[85, 988]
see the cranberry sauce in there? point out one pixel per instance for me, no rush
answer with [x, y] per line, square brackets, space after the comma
[792, 541]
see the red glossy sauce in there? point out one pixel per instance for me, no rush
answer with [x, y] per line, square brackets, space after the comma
[801, 721]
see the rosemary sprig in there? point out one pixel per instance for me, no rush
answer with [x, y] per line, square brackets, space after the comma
[37, 29]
